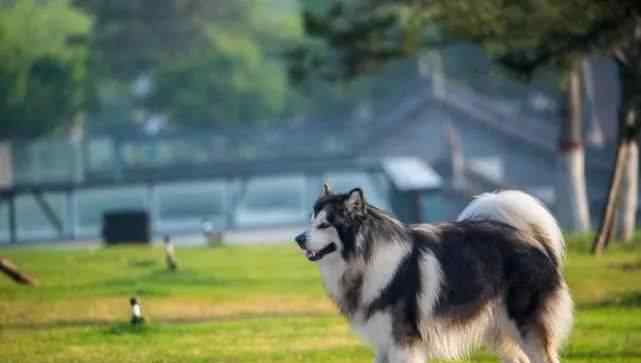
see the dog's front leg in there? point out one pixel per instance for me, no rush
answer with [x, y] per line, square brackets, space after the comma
[381, 356]
[406, 354]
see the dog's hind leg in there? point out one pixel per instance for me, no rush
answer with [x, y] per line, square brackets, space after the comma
[538, 349]
[514, 357]
[505, 339]
[540, 344]
[551, 327]
[510, 349]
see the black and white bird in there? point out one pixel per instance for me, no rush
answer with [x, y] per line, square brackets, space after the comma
[136, 312]
[170, 254]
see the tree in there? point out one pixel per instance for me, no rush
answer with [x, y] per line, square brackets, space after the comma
[523, 35]
[232, 78]
[42, 71]
[130, 37]
[207, 63]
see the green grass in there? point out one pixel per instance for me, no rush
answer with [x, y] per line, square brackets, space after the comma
[250, 304]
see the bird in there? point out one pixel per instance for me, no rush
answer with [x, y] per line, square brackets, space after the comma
[170, 254]
[136, 312]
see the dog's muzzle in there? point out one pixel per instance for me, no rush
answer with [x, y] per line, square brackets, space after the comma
[313, 256]
[301, 239]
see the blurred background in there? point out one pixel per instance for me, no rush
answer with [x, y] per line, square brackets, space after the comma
[212, 116]
[211, 125]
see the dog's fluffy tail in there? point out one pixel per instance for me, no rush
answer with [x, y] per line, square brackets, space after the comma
[521, 211]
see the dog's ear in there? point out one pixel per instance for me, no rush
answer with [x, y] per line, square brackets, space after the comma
[355, 202]
[325, 190]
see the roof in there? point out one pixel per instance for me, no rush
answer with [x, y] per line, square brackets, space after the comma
[410, 173]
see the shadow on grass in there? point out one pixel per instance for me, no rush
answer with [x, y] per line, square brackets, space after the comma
[142, 263]
[120, 327]
[160, 282]
[627, 267]
[180, 277]
[629, 300]
[127, 328]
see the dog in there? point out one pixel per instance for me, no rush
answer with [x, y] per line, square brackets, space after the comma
[415, 292]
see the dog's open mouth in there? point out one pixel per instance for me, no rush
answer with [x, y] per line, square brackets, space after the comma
[317, 255]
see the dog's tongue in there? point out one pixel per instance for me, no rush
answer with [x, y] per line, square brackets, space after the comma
[309, 253]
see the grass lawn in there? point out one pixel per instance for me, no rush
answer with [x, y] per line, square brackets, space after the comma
[249, 304]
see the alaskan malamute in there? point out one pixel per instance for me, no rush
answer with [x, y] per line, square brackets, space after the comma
[493, 278]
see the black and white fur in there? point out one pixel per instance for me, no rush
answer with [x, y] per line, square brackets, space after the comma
[414, 292]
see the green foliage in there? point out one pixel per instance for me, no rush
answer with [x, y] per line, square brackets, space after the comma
[523, 35]
[236, 76]
[209, 63]
[526, 35]
[252, 304]
[131, 36]
[42, 71]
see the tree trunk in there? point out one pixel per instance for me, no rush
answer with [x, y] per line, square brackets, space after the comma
[629, 126]
[11, 270]
[607, 220]
[431, 65]
[595, 135]
[628, 133]
[6, 165]
[628, 196]
[457, 162]
[572, 204]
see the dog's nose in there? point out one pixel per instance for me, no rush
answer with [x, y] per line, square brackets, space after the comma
[301, 239]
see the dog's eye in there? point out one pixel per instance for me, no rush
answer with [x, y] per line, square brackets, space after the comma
[323, 226]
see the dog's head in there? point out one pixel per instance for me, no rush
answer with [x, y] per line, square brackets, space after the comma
[334, 225]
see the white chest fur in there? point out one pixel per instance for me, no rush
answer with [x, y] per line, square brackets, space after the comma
[376, 274]
[380, 270]
[332, 269]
